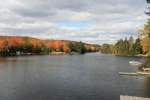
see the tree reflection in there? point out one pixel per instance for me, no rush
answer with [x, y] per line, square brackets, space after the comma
[2, 60]
[147, 64]
[147, 87]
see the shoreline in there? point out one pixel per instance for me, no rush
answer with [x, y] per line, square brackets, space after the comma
[146, 56]
[71, 53]
[51, 53]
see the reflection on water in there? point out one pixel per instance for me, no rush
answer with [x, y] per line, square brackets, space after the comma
[2, 60]
[146, 63]
[147, 86]
[77, 77]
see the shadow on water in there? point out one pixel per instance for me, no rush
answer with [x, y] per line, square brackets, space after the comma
[146, 64]
[3, 60]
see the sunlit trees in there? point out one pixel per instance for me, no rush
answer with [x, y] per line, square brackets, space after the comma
[27, 45]
[106, 48]
[13, 45]
[4, 51]
[122, 47]
[126, 47]
[65, 48]
[56, 45]
[145, 43]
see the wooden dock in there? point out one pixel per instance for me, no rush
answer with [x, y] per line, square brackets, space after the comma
[135, 73]
[146, 69]
[132, 98]
[128, 73]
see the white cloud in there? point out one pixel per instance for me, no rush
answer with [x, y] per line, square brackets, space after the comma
[108, 20]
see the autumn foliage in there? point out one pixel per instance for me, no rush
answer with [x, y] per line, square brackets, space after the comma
[13, 45]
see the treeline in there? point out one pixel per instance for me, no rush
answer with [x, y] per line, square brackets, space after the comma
[125, 47]
[11, 46]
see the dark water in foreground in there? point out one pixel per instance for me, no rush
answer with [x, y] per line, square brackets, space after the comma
[77, 77]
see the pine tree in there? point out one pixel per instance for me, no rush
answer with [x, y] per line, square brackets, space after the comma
[131, 43]
[137, 47]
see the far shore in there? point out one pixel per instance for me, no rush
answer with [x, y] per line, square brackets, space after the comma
[51, 53]
[70, 53]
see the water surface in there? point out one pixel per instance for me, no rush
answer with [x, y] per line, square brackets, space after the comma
[65, 77]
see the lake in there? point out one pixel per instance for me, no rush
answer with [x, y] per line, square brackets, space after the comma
[91, 76]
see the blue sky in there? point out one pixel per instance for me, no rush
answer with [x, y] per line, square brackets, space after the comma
[73, 25]
[92, 21]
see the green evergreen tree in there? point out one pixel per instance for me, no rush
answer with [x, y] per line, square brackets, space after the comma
[77, 47]
[137, 47]
[81, 48]
[131, 43]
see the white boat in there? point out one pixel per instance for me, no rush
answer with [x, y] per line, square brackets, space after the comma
[135, 63]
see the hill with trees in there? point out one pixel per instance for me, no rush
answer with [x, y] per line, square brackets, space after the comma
[15, 45]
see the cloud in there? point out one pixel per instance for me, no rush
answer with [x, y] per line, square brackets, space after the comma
[93, 21]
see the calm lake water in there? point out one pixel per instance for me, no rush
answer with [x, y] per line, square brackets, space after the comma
[65, 77]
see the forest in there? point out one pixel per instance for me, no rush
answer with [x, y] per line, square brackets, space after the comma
[124, 47]
[14, 45]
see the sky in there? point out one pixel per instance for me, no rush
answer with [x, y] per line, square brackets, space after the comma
[91, 21]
